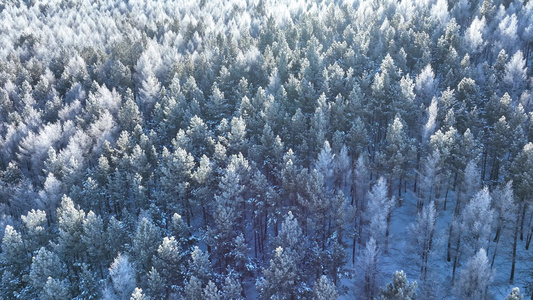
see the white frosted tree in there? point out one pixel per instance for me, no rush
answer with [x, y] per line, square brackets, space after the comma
[281, 280]
[474, 36]
[138, 294]
[44, 265]
[146, 241]
[368, 263]
[379, 212]
[505, 212]
[343, 169]
[211, 292]
[325, 164]
[515, 295]
[422, 234]
[515, 73]
[122, 277]
[324, 289]
[476, 222]
[55, 289]
[475, 278]
[400, 288]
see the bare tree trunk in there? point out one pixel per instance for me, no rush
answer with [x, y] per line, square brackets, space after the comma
[524, 208]
[513, 262]
[449, 249]
[456, 259]
[387, 231]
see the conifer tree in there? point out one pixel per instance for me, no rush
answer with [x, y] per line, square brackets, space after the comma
[324, 289]
[145, 244]
[399, 289]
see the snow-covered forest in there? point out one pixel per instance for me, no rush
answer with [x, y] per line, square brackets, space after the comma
[266, 149]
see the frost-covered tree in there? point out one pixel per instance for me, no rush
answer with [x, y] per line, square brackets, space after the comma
[14, 261]
[515, 295]
[476, 221]
[379, 212]
[122, 279]
[422, 234]
[146, 241]
[475, 278]
[70, 223]
[397, 153]
[284, 277]
[44, 265]
[400, 288]
[369, 271]
[324, 289]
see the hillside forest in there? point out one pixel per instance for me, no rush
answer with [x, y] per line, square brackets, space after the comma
[266, 149]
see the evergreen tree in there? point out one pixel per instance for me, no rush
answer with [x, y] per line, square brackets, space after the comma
[211, 292]
[14, 262]
[324, 289]
[515, 295]
[70, 223]
[55, 290]
[122, 279]
[44, 265]
[400, 289]
[138, 294]
[145, 244]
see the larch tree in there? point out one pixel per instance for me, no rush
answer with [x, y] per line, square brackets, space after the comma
[422, 234]
[475, 278]
[369, 274]
[379, 213]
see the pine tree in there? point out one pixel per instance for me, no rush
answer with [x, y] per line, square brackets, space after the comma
[193, 289]
[55, 289]
[285, 276]
[156, 285]
[324, 289]
[399, 289]
[70, 223]
[281, 280]
[14, 262]
[44, 265]
[122, 277]
[397, 153]
[168, 261]
[232, 289]
[200, 266]
[515, 295]
[37, 230]
[94, 241]
[476, 221]
[145, 244]
[211, 292]
[138, 294]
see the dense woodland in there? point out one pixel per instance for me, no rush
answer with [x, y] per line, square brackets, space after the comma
[266, 149]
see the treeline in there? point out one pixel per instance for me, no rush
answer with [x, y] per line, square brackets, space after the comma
[213, 150]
